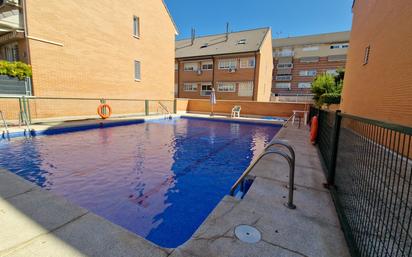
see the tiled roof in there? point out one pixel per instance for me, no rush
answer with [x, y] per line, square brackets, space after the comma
[237, 42]
[336, 37]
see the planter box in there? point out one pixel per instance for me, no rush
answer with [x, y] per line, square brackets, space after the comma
[14, 86]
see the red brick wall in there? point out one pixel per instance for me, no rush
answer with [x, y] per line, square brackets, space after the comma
[248, 107]
[322, 66]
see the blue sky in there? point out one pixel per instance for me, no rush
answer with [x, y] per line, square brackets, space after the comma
[285, 17]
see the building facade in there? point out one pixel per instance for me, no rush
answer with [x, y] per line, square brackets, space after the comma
[378, 80]
[297, 61]
[238, 65]
[110, 49]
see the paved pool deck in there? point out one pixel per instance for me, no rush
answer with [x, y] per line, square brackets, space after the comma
[35, 222]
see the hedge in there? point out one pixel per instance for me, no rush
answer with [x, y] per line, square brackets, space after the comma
[15, 69]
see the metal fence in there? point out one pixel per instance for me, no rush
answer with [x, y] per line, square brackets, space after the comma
[42, 109]
[369, 167]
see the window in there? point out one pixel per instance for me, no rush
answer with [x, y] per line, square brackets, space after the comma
[337, 58]
[307, 73]
[310, 48]
[366, 57]
[226, 87]
[137, 71]
[190, 66]
[304, 85]
[339, 46]
[332, 72]
[284, 77]
[207, 65]
[206, 89]
[247, 62]
[11, 52]
[283, 85]
[285, 65]
[190, 87]
[246, 88]
[176, 66]
[136, 26]
[285, 52]
[309, 59]
[227, 64]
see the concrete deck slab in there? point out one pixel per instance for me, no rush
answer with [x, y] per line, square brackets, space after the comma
[12, 185]
[91, 236]
[31, 214]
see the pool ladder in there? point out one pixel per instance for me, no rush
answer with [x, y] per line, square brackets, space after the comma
[290, 157]
[164, 108]
[23, 119]
[5, 128]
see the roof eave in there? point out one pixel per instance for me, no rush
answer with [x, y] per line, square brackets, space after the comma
[171, 18]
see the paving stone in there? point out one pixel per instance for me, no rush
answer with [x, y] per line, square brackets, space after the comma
[11, 184]
[31, 214]
[267, 196]
[90, 236]
[276, 167]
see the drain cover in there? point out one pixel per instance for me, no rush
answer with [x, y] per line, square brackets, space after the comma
[247, 234]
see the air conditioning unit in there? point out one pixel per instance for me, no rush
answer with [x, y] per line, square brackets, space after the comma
[232, 70]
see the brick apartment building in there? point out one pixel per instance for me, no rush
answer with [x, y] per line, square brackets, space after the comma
[378, 79]
[113, 49]
[238, 65]
[297, 61]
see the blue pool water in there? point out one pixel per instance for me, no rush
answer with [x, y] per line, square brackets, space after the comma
[158, 179]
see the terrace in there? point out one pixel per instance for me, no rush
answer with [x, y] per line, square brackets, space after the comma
[330, 215]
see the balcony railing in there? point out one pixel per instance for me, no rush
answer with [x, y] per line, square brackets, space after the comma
[205, 92]
[284, 78]
[284, 66]
[285, 54]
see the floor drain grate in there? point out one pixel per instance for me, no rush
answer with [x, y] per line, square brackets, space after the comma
[247, 234]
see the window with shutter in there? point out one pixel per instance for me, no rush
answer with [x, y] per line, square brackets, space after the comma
[137, 71]
[136, 26]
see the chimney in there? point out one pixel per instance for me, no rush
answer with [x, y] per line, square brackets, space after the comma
[227, 31]
[193, 36]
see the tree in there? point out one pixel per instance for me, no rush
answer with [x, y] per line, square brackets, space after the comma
[327, 88]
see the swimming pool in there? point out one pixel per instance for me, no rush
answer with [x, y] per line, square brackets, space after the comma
[159, 179]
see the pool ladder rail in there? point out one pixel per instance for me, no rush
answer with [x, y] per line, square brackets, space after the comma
[28, 132]
[269, 149]
[5, 132]
[164, 108]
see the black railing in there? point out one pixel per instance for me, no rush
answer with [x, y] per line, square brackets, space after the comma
[368, 164]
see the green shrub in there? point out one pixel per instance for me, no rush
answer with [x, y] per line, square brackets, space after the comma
[328, 85]
[18, 70]
[330, 98]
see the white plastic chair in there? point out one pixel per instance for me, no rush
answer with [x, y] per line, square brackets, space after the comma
[236, 111]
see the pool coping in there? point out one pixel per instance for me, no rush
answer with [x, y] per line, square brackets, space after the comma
[50, 128]
[214, 237]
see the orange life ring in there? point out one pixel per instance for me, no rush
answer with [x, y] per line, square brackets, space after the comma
[103, 107]
[314, 129]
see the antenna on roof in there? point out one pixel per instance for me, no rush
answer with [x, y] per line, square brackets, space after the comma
[227, 31]
[193, 35]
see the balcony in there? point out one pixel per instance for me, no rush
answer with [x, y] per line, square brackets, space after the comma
[284, 78]
[285, 65]
[11, 17]
[284, 54]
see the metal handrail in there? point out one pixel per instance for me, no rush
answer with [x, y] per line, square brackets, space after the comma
[164, 107]
[288, 120]
[282, 143]
[26, 121]
[290, 160]
[6, 129]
